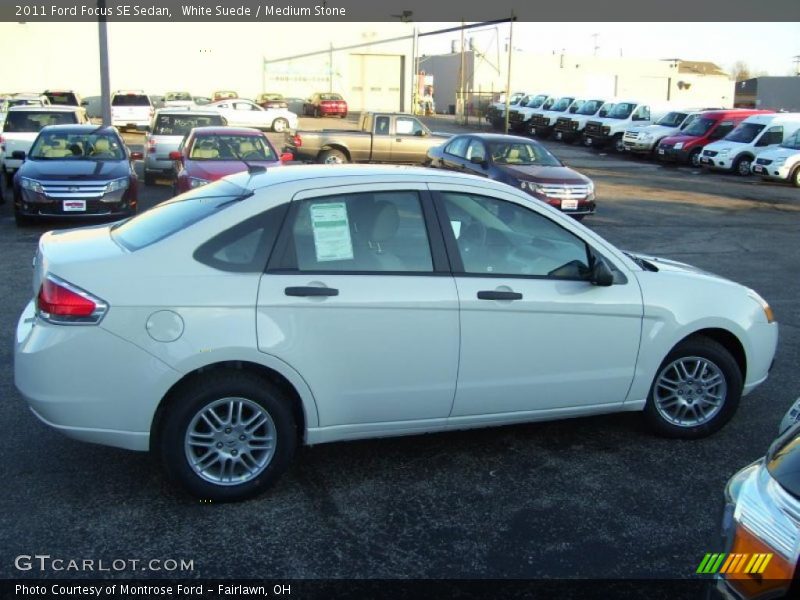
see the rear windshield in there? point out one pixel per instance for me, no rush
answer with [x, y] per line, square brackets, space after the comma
[330, 97]
[32, 121]
[130, 100]
[744, 133]
[167, 218]
[62, 98]
[182, 124]
[181, 96]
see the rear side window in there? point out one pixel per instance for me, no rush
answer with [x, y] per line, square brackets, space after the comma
[130, 100]
[33, 121]
[183, 124]
[172, 216]
[244, 248]
[458, 147]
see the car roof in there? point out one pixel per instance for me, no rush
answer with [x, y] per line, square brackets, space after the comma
[494, 137]
[56, 108]
[186, 111]
[82, 128]
[215, 130]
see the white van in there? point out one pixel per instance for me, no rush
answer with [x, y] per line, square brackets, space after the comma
[735, 152]
[519, 118]
[570, 128]
[781, 163]
[624, 115]
[496, 112]
[644, 140]
[543, 122]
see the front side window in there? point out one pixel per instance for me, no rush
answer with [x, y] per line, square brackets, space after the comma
[360, 233]
[476, 151]
[496, 237]
[793, 141]
[641, 114]
[458, 147]
[244, 106]
[773, 135]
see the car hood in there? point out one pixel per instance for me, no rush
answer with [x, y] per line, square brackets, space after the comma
[74, 169]
[217, 169]
[674, 266]
[674, 139]
[724, 145]
[776, 153]
[655, 129]
[783, 461]
[544, 174]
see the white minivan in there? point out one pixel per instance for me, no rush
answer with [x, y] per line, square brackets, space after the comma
[644, 140]
[543, 122]
[519, 118]
[782, 163]
[735, 152]
[624, 115]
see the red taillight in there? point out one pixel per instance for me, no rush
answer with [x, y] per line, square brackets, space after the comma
[297, 141]
[62, 302]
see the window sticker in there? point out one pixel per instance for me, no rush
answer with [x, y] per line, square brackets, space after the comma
[331, 232]
[456, 225]
[404, 126]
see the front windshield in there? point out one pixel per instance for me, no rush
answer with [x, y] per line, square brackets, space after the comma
[590, 107]
[562, 104]
[671, 119]
[622, 110]
[699, 127]
[181, 96]
[536, 101]
[62, 145]
[231, 147]
[515, 98]
[744, 133]
[688, 121]
[522, 153]
[793, 141]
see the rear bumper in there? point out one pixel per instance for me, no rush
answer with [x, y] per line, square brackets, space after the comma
[105, 400]
[152, 162]
[140, 125]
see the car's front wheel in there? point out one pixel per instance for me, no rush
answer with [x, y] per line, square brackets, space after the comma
[280, 125]
[742, 166]
[696, 390]
[228, 436]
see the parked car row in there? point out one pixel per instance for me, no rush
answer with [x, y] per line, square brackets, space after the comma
[741, 141]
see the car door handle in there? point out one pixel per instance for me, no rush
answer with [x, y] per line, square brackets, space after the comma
[498, 295]
[311, 290]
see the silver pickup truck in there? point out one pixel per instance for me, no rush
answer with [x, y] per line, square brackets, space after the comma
[381, 137]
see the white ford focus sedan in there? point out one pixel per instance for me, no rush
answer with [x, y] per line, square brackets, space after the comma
[314, 304]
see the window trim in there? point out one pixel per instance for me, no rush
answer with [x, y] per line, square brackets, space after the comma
[283, 262]
[455, 255]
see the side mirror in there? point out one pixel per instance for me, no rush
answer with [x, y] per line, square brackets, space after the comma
[175, 155]
[477, 160]
[137, 156]
[421, 133]
[84, 103]
[601, 274]
[18, 154]
[287, 157]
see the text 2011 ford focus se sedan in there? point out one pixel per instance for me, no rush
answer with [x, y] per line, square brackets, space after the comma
[315, 304]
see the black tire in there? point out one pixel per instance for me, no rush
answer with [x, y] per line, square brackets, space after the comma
[712, 352]
[795, 178]
[191, 400]
[149, 178]
[694, 157]
[9, 179]
[740, 164]
[332, 156]
[617, 145]
[22, 220]
[280, 125]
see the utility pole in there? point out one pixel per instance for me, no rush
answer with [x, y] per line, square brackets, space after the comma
[508, 76]
[105, 84]
[461, 85]
[330, 68]
[415, 75]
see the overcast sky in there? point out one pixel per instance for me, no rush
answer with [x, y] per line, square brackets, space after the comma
[763, 46]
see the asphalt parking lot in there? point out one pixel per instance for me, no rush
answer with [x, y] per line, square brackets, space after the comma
[592, 498]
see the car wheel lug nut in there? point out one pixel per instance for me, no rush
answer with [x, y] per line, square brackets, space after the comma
[219, 444]
[235, 452]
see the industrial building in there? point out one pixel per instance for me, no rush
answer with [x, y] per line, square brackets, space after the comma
[689, 83]
[775, 93]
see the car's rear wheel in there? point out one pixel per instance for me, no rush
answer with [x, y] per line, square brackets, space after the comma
[228, 436]
[741, 166]
[280, 125]
[694, 157]
[333, 157]
[796, 177]
[696, 390]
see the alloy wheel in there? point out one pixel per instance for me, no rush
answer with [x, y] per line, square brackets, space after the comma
[690, 391]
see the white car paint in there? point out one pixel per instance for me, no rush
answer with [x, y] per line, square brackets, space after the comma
[781, 163]
[390, 355]
[244, 113]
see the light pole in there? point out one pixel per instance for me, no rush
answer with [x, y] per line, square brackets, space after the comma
[105, 85]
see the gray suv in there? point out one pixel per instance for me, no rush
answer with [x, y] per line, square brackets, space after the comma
[169, 127]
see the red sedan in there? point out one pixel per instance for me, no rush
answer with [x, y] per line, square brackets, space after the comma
[325, 105]
[210, 153]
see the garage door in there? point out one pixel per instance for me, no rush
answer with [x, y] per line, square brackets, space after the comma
[375, 82]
